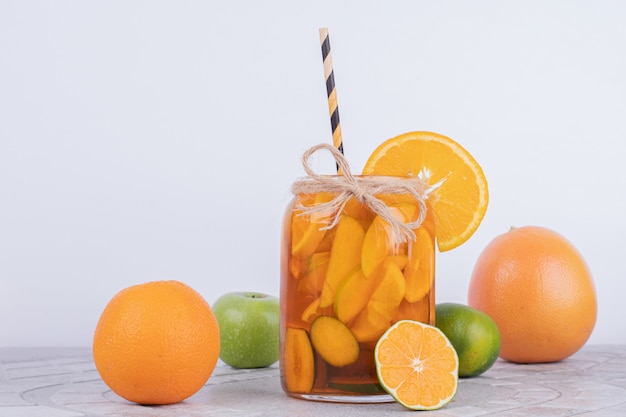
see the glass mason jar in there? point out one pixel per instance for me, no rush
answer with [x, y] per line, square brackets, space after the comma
[346, 277]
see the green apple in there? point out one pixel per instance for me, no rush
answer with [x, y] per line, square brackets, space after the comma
[248, 323]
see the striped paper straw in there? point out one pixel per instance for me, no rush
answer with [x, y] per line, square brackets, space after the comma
[331, 91]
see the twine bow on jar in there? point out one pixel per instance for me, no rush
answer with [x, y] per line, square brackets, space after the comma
[364, 189]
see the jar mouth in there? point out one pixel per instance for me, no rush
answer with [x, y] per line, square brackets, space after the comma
[376, 184]
[368, 190]
[365, 176]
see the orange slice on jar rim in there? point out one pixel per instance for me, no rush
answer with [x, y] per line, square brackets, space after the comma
[457, 191]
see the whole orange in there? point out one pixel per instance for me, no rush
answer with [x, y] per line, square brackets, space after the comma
[538, 289]
[156, 343]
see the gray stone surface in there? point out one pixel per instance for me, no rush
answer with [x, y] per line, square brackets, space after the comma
[39, 382]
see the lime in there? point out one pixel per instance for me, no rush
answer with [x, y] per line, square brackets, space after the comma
[473, 334]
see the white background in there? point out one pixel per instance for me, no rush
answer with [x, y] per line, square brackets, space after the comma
[157, 140]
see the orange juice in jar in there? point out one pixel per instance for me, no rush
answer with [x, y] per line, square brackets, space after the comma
[348, 274]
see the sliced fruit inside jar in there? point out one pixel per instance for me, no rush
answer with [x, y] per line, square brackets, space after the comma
[383, 305]
[312, 280]
[345, 257]
[334, 341]
[299, 362]
[307, 229]
[353, 295]
[420, 270]
[379, 243]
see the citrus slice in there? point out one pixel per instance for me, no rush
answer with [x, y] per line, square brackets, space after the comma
[345, 257]
[334, 341]
[311, 311]
[378, 242]
[420, 271]
[312, 281]
[457, 194]
[383, 304]
[299, 368]
[307, 230]
[353, 295]
[417, 365]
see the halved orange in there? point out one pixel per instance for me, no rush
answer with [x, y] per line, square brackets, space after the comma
[457, 193]
[417, 365]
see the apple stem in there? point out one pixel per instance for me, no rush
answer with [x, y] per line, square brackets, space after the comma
[254, 295]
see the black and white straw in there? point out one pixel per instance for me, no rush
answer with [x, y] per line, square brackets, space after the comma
[331, 91]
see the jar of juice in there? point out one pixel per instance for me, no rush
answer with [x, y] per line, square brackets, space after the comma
[348, 272]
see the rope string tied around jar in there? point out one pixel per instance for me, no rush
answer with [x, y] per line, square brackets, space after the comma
[364, 189]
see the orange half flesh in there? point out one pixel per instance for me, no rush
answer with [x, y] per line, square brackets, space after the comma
[417, 365]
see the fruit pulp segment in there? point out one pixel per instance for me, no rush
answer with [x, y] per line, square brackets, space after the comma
[358, 275]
